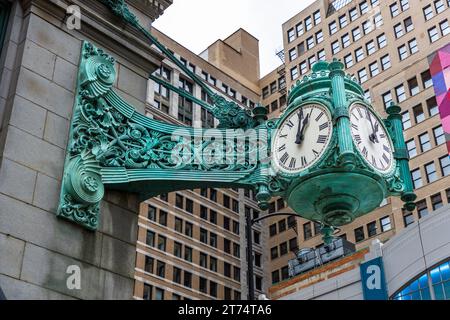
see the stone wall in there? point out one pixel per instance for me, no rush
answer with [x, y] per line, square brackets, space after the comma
[40, 64]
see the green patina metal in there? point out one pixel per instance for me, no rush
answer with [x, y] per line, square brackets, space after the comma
[113, 146]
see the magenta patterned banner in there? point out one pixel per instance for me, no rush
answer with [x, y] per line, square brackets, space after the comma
[440, 71]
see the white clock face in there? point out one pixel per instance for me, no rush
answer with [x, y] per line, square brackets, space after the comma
[302, 138]
[371, 138]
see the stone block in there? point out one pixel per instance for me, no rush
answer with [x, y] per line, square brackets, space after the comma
[45, 93]
[11, 253]
[46, 193]
[118, 256]
[132, 83]
[11, 53]
[56, 130]
[38, 59]
[44, 229]
[17, 181]
[118, 222]
[28, 116]
[34, 153]
[53, 39]
[5, 82]
[117, 287]
[50, 270]
[65, 74]
[20, 290]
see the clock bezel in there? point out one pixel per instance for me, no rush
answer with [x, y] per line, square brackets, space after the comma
[392, 169]
[326, 151]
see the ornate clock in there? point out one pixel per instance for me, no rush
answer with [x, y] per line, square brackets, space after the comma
[302, 138]
[371, 138]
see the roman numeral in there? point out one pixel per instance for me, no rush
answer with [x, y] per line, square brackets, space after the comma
[357, 119]
[284, 158]
[386, 148]
[304, 162]
[319, 117]
[385, 158]
[358, 139]
[359, 112]
[315, 153]
[282, 148]
[323, 126]
[290, 124]
[382, 135]
[283, 136]
[322, 139]
[292, 163]
[355, 126]
[374, 161]
[365, 152]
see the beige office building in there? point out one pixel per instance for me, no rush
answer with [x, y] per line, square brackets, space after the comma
[191, 244]
[385, 44]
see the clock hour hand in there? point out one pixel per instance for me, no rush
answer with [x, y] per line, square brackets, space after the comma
[373, 136]
[298, 139]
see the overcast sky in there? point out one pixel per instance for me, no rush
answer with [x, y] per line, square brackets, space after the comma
[198, 23]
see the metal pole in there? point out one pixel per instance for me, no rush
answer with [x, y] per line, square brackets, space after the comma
[250, 275]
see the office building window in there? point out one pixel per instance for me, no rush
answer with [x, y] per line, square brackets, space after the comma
[364, 7]
[189, 206]
[321, 55]
[430, 170]
[162, 217]
[412, 44]
[439, 135]
[258, 283]
[292, 55]
[150, 239]
[406, 120]
[402, 52]
[187, 279]
[212, 289]
[370, 46]
[161, 269]
[367, 27]
[387, 99]
[428, 12]
[203, 285]
[432, 107]
[235, 227]
[317, 18]
[332, 27]
[348, 60]
[445, 165]
[425, 143]
[362, 75]
[178, 225]
[258, 259]
[187, 253]
[343, 21]
[372, 229]
[188, 229]
[151, 213]
[237, 273]
[257, 237]
[412, 149]
[310, 43]
[284, 273]
[307, 231]
[382, 41]
[282, 225]
[356, 34]
[236, 250]
[385, 62]
[345, 40]
[354, 14]
[433, 34]
[308, 23]
[439, 6]
[367, 95]
[293, 245]
[445, 28]
[274, 253]
[203, 212]
[417, 178]
[177, 249]
[319, 36]
[299, 29]
[283, 249]
[394, 10]
[312, 60]
[408, 218]
[427, 80]
[212, 264]
[203, 260]
[419, 115]
[291, 35]
[294, 73]
[404, 4]
[374, 69]
[359, 54]
[147, 292]
[409, 26]
[436, 201]
[275, 276]
[303, 67]
[335, 47]
[177, 275]
[213, 240]
[413, 86]
[213, 216]
[149, 261]
[227, 245]
[400, 93]
[273, 229]
[422, 209]
[203, 235]
[385, 224]
[359, 234]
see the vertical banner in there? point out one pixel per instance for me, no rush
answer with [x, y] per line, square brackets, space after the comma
[440, 71]
[373, 280]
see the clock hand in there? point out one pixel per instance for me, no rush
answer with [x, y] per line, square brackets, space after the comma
[375, 132]
[305, 124]
[372, 136]
[298, 139]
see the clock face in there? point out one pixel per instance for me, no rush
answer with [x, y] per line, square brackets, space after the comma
[371, 138]
[302, 138]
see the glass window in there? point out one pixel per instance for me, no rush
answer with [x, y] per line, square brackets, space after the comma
[291, 35]
[212, 289]
[274, 253]
[385, 224]
[178, 225]
[188, 229]
[378, 19]
[150, 240]
[408, 218]
[203, 260]
[348, 60]
[398, 29]
[439, 135]
[359, 54]
[299, 29]
[422, 208]
[417, 178]
[343, 21]
[402, 52]
[382, 41]
[436, 201]
[354, 14]
[177, 275]
[151, 213]
[293, 245]
[159, 294]
[294, 73]
[148, 267]
[187, 279]
[312, 60]
[362, 75]
[275, 276]
[203, 235]
[417, 290]
[162, 217]
[430, 170]
[385, 62]
[445, 28]
[359, 234]
[406, 120]
[372, 229]
[413, 85]
[335, 47]
[439, 5]
[310, 43]
[321, 55]
[412, 149]
[445, 165]
[303, 67]
[394, 10]
[147, 292]
[284, 273]
[237, 273]
[363, 6]
[282, 225]
[367, 27]
[370, 46]
[332, 27]
[317, 17]
[419, 115]
[307, 231]
[428, 12]
[187, 253]
[425, 143]
[236, 250]
[433, 34]
[213, 240]
[292, 57]
[212, 264]
[426, 79]
[345, 40]
[283, 249]
[387, 99]
[356, 33]
[432, 107]
[400, 93]
[161, 269]
[404, 4]
[308, 23]
[374, 69]
[273, 229]
[236, 227]
[409, 26]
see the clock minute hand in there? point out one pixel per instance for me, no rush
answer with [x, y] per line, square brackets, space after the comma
[298, 139]
[372, 136]
[304, 125]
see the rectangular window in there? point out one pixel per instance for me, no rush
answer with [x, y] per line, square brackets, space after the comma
[378, 20]
[148, 289]
[161, 269]
[274, 253]
[212, 81]
[282, 225]
[310, 43]
[412, 149]
[345, 40]
[294, 73]
[445, 165]
[335, 47]
[317, 18]
[359, 234]
[422, 209]
[372, 229]
[188, 229]
[367, 95]
[445, 28]
[359, 54]
[382, 41]
[236, 227]
[439, 6]
[275, 276]
[213, 240]
[354, 14]
[293, 245]
[430, 170]
[291, 35]
[292, 57]
[213, 264]
[162, 218]
[236, 250]
[400, 93]
[436, 201]
[187, 279]
[362, 75]
[189, 205]
[425, 144]
[385, 62]
[203, 285]
[439, 136]
[321, 55]
[332, 27]
[426, 79]
[387, 99]
[408, 218]
[432, 107]
[428, 12]
[203, 235]
[149, 261]
[213, 216]
[212, 289]
[402, 52]
[178, 225]
[299, 29]
[237, 273]
[273, 229]
[364, 7]
[394, 10]
[150, 240]
[385, 224]
[177, 275]
[151, 213]
[307, 231]
[398, 30]
[308, 23]
[409, 26]
[348, 60]
[303, 67]
[404, 4]
[343, 21]
[433, 34]
[356, 34]
[203, 260]
[374, 69]
[284, 273]
[258, 259]
[367, 27]
[417, 178]
[312, 60]
[370, 46]
[413, 86]
[283, 249]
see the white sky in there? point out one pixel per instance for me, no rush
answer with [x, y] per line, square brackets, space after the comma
[196, 24]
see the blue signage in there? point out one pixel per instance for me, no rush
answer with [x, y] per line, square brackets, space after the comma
[373, 280]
